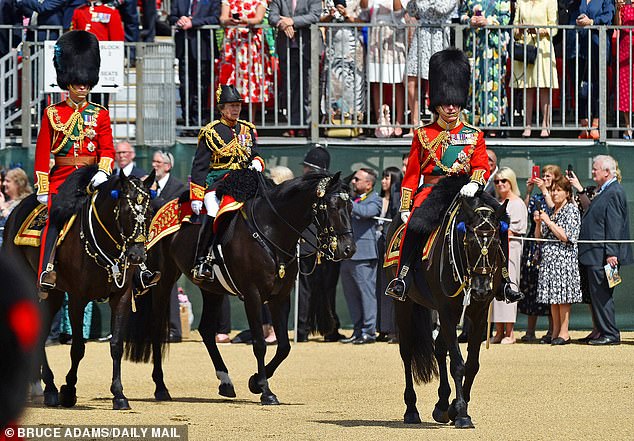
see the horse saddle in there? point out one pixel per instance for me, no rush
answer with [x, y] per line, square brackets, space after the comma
[393, 250]
[30, 232]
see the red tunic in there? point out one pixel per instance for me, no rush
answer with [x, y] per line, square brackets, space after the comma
[102, 20]
[84, 134]
[438, 152]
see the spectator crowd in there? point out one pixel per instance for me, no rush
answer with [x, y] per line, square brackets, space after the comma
[376, 70]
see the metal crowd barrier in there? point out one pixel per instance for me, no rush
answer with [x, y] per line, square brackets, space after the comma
[336, 95]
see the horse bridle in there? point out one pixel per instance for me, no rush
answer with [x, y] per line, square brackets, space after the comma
[138, 210]
[487, 242]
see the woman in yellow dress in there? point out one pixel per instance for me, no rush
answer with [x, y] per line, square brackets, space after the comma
[542, 74]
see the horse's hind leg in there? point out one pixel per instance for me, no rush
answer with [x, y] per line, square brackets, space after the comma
[207, 328]
[120, 314]
[440, 413]
[258, 382]
[68, 392]
[280, 309]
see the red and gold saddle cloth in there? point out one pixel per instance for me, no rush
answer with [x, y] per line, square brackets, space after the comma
[393, 249]
[30, 231]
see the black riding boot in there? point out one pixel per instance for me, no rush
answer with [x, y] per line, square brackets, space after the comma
[507, 293]
[398, 287]
[48, 275]
[203, 269]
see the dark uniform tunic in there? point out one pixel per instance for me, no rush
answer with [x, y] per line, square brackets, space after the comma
[222, 147]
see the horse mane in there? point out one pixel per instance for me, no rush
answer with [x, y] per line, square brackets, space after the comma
[72, 195]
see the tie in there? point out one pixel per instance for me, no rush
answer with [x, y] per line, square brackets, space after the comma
[158, 189]
[294, 4]
[193, 7]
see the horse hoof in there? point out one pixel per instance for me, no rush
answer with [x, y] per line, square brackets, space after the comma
[269, 400]
[452, 413]
[440, 416]
[120, 404]
[411, 418]
[67, 396]
[227, 390]
[254, 387]
[162, 395]
[464, 423]
[51, 399]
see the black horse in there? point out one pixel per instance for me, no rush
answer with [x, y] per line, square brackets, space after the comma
[259, 248]
[467, 260]
[96, 259]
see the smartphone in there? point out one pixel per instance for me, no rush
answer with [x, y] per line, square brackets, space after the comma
[236, 16]
[478, 12]
[535, 172]
[569, 170]
[628, 2]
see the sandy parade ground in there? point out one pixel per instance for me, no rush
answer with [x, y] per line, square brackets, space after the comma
[332, 391]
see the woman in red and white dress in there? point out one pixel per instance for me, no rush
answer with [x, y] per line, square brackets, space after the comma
[245, 48]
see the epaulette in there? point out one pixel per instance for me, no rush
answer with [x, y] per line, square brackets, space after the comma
[247, 123]
[109, 5]
[99, 106]
[207, 128]
[466, 124]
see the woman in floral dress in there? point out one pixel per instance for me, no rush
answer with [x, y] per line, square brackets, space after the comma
[246, 49]
[487, 48]
[559, 258]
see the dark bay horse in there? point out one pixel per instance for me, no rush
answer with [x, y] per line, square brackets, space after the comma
[96, 259]
[467, 260]
[259, 250]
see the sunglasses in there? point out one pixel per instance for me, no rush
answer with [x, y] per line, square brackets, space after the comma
[500, 181]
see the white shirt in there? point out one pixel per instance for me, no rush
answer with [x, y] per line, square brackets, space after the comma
[162, 183]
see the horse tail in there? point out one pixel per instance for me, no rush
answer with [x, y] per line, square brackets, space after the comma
[320, 314]
[421, 345]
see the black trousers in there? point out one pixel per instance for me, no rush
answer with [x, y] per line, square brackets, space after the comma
[295, 74]
[322, 282]
[188, 75]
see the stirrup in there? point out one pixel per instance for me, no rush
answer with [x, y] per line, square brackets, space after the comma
[508, 294]
[203, 271]
[396, 289]
[148, 279]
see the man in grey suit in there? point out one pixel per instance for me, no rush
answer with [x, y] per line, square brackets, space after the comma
[293, 19]
[358, 275]
[606, 219]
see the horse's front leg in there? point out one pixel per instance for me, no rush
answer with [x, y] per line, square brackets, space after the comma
[406, 342]
[472, 366]
[280, 309]
[120, 306]
[51, 394]
[212, 303]
[258, 383]
[160, 391]
[76, 307]
[458, 409]
[440, 413]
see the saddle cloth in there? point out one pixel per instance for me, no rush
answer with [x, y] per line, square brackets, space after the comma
[30, 232]
[393, 249]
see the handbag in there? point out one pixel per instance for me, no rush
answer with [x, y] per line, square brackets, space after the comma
[518, 52]
[342, 132]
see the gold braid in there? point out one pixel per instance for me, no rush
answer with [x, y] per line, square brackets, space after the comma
[442, 140]
[67, 127]
[231, 151]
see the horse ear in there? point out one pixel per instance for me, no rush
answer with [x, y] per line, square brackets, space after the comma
[149, 179]
[467, 210]
[336, 177]
[501, 211]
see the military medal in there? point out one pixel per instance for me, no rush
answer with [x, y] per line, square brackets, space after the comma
[90, 147]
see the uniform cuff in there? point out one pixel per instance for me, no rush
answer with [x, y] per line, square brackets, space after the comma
[406, 199]
[196, 192]
[478, 176]
[41, 183]
[105, 165]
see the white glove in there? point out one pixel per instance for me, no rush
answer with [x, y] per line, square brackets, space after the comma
[197, 206]
[469, 190]
[405, 216]
[42, 199]
[256, 165]
[99, 178]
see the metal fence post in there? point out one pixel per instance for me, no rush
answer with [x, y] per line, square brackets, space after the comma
[315, 45]
[603, 89]
[140, 98]
[27, 84]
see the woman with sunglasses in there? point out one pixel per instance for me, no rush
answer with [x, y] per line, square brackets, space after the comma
[504, 314]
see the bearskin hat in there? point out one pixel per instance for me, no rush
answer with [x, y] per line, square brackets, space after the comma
[77, 59]
[317, 158]
[449, 78]
[227, 92]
